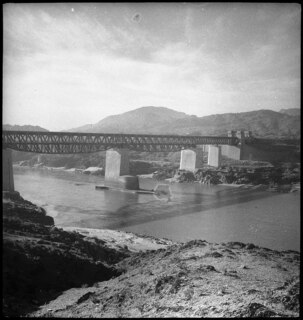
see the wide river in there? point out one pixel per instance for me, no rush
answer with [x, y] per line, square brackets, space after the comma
[194, 211]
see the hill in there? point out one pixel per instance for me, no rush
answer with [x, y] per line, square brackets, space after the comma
[20, 155]
[141, 120]
[22, 128]
[291, 111]
[160, 120]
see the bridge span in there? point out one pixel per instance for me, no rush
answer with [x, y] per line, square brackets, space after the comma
[73, 142]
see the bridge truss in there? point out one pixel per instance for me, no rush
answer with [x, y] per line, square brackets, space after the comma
[72, 142]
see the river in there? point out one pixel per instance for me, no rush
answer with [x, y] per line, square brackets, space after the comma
[194, 211]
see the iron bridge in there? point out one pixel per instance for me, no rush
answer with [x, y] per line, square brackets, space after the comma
[74, 142]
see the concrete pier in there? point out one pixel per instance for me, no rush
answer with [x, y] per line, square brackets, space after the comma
[117, 163]
[232, 152]
[41, 158]
[191, 159]
[117, 170]
[235, 152]
[7, 171]
[214, 156]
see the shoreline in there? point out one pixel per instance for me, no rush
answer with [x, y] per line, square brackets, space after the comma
[96, 172]
[117, 239]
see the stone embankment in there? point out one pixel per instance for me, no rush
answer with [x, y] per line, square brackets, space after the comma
[49, 272]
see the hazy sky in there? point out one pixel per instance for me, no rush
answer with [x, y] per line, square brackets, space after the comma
[66, 65]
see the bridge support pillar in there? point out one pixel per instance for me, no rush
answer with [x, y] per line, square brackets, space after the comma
[117, 170]
[191, 159]
[236, 152]
[214, 156]
[7, 171]
[117, 163]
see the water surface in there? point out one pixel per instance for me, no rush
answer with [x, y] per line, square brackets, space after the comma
[194, 211]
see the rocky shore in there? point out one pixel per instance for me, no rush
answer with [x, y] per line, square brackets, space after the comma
[282, 175]
[51, 272]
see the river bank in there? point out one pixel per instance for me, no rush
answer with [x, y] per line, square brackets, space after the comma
[284, 177]
[124, 274]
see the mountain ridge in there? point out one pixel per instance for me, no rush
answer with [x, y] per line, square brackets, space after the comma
[25, 127]
[263, 123]
[291, 111]
[162, 120]
[144, 117]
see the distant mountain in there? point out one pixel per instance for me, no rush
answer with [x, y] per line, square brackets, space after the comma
[22, 128]
[291, 111]
[142, 120]
[160, 120]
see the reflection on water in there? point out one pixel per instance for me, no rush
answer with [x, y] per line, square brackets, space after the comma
[163, 192]
[213, 213]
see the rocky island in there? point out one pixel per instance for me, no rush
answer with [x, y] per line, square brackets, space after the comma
[51, 272]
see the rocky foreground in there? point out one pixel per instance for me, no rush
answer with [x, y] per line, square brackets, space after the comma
[50, 272]
[40, 261]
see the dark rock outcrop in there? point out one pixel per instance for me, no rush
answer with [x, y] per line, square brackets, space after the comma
[15, 207]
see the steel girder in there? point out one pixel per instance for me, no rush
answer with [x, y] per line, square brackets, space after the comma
[72, 142]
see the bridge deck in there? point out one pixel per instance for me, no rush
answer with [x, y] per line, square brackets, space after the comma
[74, 142]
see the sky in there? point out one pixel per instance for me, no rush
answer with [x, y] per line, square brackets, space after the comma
[66, 65]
